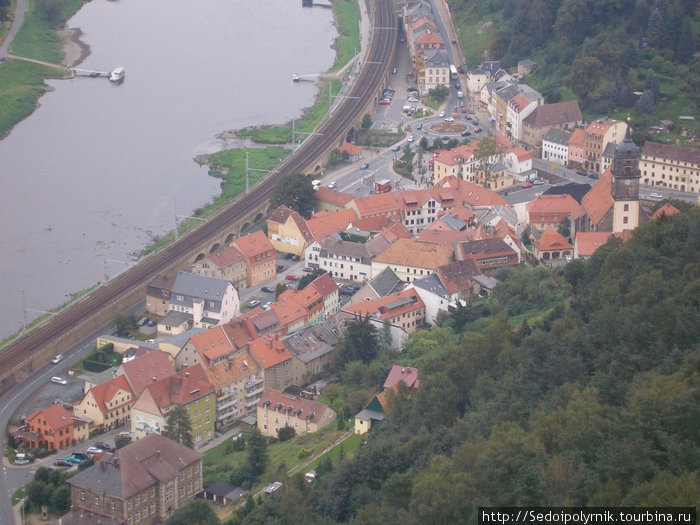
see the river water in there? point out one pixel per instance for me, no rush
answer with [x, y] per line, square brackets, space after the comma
[100, 169]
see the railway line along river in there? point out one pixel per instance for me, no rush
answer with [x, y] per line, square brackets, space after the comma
[100, 169]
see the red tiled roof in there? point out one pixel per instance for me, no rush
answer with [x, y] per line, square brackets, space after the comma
[226, 257]
[325, 223]
[333, 197]
[105, 392]
[404, 374]
[213, 343]
[598, 200]
[667, 209]
[455, 276]
[272, 398]
[388, 307]
[324, 285]
[182, 388]
[561, 203]
[350, 148]
[669, 152]
[282, 214]
[383, 203]
[473, 194]
[409, 252]
[56, 416]
[578, 137]
[269, 351]
[554, 114]
[142, 370]
[588, 242]
[551, 239]
[254, 244]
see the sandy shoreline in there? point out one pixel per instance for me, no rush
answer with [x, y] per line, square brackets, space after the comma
[74, 49]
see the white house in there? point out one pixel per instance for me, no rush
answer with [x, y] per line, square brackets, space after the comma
[555, 146]
[207, 300]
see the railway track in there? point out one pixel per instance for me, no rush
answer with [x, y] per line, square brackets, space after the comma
[337, 124]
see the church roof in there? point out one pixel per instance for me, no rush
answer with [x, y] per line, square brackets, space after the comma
[598, 201]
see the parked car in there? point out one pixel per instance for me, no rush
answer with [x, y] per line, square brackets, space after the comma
[412, 89]
[657, 196]
[463, 109]
[593, 175]
[384, 102]
[266, 306]
[72, 460]
[308, 269]
[93, 450]
[410, 138]
[57, 358]
[537, 182]
[445, 138]
[103, 446]
[441, 114]
[62, 463]
[142, 321]
[253, 303]
[281, 267]
[80, 455]
[466, 133]
[581, 172]
[152, 322]
[477, 130]
[292, 277]
[393, 71]
[527, 185]
[364, 166]
[59, 380]
[267, 289]
[332, 184]
[397, 147]
[449, 119]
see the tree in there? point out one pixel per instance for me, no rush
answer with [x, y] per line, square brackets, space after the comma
[564, 227]
[281, 287]
[439, 93]
[655, 28]
[286, 433]
[178, 426]
[423, 143]
[123, 323]
[197, 512]
[488, 152]
[360, 341]
[685, 44]
[60, 499]
[257, 453]
[645, 104]
[296, 192]
[585, 76]
[366, 121]
[121, 441]
[308, 278]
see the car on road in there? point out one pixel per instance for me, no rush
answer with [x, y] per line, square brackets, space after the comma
[72, 460]
[364, 166]
[292, 277]
[332, 184]
[59, 380]
[537, 182]
[267, 289]
[581, 172]
[82, 456]
[94, 450]
[412, 89]
[445, 138]
[449, 119]
[463, 109]
[57, 358]
[384, 102]
[477, 130]
[393, 71]
[281, 267]
[419, 126]
[266, 306]
[441, 114]
[461, 104]
[396, 147]
[656, 196]
[253, 303]
[410, 138]
[527, 185]
[308, 269]
[593, 175]
[62, 463]
[466, 133]
[103, 446]
[413, 99]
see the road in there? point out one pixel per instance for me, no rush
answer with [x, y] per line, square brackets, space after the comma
[17, 20]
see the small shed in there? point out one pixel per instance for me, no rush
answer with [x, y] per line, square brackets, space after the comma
[223, 493]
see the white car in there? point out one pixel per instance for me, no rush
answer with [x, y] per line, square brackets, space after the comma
[656, 196]
[410, 138]
[93, 450]
[266, 306]
[332, 185]
[537, 182]
[449, 119]
[59, 380]
[441, 114]
[57, 358]
[253, 303]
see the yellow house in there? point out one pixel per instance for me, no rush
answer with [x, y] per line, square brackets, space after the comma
[277, 409]
[189, 388]
[288, 231]
[372, 415]
[107, 405]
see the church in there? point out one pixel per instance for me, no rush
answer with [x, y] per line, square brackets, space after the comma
[612, 205]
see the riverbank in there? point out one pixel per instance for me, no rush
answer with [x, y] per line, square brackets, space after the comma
[75, 51]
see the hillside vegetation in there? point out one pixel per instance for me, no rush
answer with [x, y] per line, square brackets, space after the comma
[598, 51]
[576, 386]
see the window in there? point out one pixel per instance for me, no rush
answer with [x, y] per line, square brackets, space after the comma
[82, 495]
[112, 505]
[97, 500]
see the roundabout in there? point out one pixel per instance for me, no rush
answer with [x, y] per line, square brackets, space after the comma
[446, 128]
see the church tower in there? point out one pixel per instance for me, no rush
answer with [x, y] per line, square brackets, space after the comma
[625, 184]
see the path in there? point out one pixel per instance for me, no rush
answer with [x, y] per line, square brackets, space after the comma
[17, 20]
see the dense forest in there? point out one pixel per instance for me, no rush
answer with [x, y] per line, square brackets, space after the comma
[576, 386]
[600, 51]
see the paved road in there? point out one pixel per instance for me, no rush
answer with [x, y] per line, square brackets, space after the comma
[18, 19]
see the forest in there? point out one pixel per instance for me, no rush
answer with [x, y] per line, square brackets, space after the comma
[613, 56]
[575, 386]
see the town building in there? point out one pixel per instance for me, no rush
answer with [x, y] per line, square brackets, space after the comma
[288, 231]
[50, 428]
[206, 301]
[107, 405]
[674, 167]
[347, 260]
[599, 133]
[158, 295]
[261, 259]
[411, 259]
[552, 246]
[488, 254]
[277, 409]
[228, 264]
[561, 115]
[403, 310]
[144, 482]
[555, 146]
[549, 210]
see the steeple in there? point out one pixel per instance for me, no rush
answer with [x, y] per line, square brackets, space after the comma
[625, 169]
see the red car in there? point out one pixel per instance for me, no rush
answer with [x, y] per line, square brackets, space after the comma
[527, 185]
[463, 109]
[292, 277]
[384, 102]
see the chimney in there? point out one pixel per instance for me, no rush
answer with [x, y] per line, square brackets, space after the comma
[154, 378]
[187, 374]
[157, 453]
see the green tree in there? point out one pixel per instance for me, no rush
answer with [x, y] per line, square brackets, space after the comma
[197, 512]
[60, 499]
[360, 341]
[685, 44]
[423, 143]
[439, 93]
[178, 426]
[645, 103]
[281, 287]
[286, 433]
[585, 76]
[257, 452]
[366, 121]
[296, 192]
[564, 227]
[308, 278]
[121, 441]
[655, 28]
[487, 153]
[123, 323]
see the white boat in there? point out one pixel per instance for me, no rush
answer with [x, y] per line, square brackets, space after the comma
[117, 74]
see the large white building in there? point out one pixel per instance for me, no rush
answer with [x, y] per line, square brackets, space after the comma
[555, 146]
[671, 167]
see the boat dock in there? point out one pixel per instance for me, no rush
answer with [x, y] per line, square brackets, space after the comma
[89, 73]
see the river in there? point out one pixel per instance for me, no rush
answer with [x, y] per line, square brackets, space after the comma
[100, 169]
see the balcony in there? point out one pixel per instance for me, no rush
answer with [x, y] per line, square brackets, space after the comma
[227, 395]
[251, 384]
[223, 406]
[252, 403]
[255, 392]
[228, 414]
